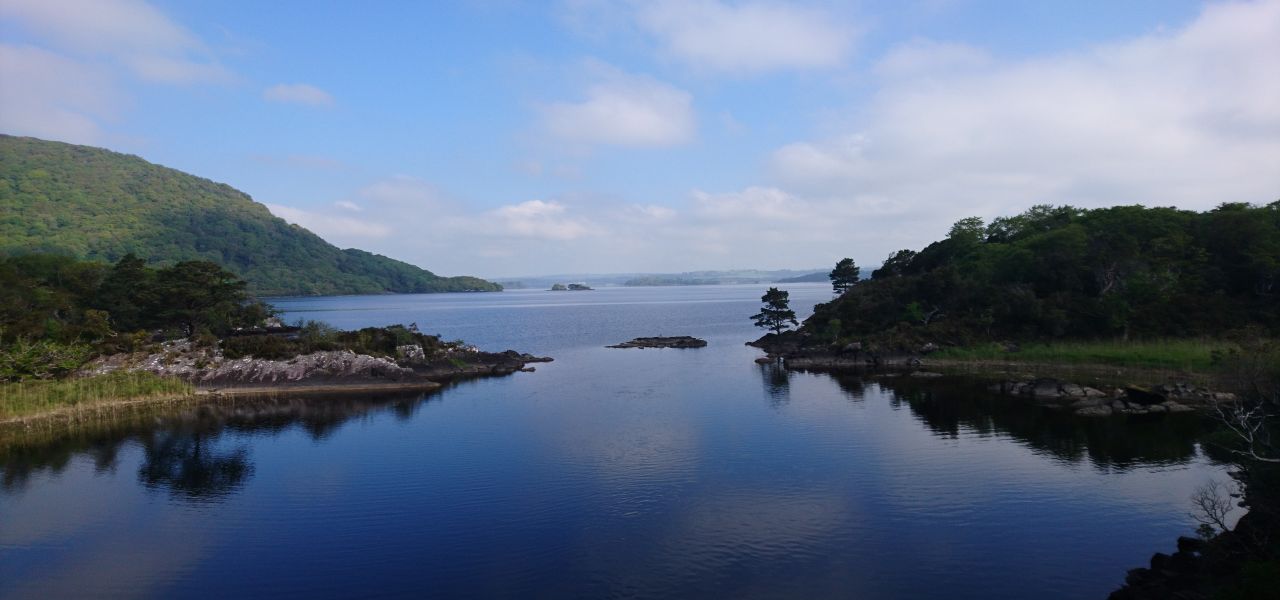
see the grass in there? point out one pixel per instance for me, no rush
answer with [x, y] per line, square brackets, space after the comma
[35, 397]
[1178, 354]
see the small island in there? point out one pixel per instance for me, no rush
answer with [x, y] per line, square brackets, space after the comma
[681, 341]
[572, 287]
[129, 332]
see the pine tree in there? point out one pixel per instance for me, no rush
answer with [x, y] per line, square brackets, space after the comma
[776, 313]
[844, 276]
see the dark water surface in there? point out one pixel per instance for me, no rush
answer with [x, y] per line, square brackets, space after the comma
[608, 473]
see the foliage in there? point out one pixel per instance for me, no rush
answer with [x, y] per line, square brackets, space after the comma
[776, 313]
[1058, 273]
[1185, 354]
[31, 397]
[91, 203]
[844, 276]
[66, 306]
[319, 337]
[40, 359]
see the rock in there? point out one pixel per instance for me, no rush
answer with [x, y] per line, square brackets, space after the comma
[852, 347]
[1046, 388]
[1095, 411]
[763, 360]
[1224, 396]
[1086, 403]
[929, 347]
[682, 341]
[1190, 544]
[1174, 407]
[411, 353]
[925, 374]
[1094, 393]
[1073, 390]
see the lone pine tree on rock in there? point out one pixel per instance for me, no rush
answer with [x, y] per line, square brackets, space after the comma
[776, 313]
[844, 276]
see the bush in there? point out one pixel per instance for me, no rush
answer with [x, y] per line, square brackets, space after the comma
[42, 359]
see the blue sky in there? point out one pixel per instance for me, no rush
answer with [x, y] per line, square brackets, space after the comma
[502, 138]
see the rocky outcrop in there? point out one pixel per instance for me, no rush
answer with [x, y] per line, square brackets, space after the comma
[207, 367]
[1092, 402]
[681, 341]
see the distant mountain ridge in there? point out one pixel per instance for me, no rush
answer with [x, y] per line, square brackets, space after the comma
[730, 277]
[97, 204]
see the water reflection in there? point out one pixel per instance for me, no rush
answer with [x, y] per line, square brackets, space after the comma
[191, 466]
[190, 453]
[953, 407]
[777, 382]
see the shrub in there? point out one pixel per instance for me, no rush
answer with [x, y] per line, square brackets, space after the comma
[42, 359]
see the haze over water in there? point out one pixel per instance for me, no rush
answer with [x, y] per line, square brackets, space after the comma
[607, 473]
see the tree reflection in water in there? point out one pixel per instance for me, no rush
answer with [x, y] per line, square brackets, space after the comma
[777, 383]
[956, 406]
[183, 451]
[190, 465]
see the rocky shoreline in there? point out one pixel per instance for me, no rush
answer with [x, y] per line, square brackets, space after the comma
[208, 369]
[1083, 400]
[1088, 401]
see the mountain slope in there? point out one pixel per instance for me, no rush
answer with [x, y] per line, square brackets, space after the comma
[97, 204]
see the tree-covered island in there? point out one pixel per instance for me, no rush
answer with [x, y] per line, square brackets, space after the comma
[77, 333]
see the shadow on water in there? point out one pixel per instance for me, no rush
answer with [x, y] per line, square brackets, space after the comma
[191, 452]
[958, 406]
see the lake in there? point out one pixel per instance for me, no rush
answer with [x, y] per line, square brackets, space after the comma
[607, 473]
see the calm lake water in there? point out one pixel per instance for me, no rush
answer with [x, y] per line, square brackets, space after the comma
[608, 473]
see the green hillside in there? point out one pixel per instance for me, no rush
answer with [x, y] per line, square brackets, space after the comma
[96, 204]
[1062, 273]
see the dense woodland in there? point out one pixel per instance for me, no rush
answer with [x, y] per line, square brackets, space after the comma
[96, 204]
[1056, 273]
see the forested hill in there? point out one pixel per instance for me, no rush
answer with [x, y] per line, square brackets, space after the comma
[101, 205]
[1061, 272]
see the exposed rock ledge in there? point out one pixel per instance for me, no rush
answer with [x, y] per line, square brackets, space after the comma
[1092, 402]
[207, 367]
[680, 341]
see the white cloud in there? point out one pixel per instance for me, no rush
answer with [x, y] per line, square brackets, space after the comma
[748, 37]
[298, 93]
[651, 212]
[538, 219]
[401, 191]
[624, 110]
[335, 228]
[130, 33]
[67, 84]
[58, 98]
[1189, 118]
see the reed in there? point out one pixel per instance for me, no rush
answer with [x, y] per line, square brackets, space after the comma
[34, 397]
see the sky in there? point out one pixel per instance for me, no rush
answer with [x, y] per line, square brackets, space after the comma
[503, 138]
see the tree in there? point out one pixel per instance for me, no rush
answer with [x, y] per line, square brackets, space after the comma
[200, 294]
[776, 312]
[844, 276]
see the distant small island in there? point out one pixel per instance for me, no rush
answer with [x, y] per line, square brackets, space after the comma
[572, 287]
[680, 341]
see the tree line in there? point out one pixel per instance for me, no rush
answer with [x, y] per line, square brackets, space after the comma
[1059, 272]
[64, 300]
